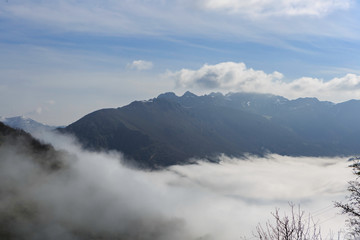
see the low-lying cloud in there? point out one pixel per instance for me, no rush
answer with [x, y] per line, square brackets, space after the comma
[95, 194]
[231, 76]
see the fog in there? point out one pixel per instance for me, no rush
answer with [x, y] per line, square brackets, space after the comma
[98, 196]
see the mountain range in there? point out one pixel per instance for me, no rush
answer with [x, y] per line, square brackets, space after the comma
[171, 129]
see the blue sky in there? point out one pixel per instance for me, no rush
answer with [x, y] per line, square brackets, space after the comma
[63, 59]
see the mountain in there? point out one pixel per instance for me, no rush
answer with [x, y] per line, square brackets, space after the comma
[172, 129]
[26, 124]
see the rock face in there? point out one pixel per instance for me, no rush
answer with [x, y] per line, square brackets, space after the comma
[170, 129]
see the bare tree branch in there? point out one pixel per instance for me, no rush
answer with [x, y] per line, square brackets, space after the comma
[352, 206]
[293, 227]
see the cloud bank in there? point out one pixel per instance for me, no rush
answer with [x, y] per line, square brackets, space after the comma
[231, 76]
[95, 195]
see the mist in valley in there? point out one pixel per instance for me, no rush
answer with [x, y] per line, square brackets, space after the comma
[98, 195]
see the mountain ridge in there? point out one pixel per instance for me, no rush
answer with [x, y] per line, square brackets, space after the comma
[171, 129]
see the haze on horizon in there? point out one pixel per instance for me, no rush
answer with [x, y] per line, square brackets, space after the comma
[63, 59]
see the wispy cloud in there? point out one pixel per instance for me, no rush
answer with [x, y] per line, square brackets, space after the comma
[159, 18]
[141, 65]
[44, 108]
[51, 102]
[231, 76]
[38, 111]
[266, 8]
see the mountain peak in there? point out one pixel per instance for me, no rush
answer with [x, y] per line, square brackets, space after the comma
[168, 95]
[308, 99]
[216, 94]
[188, 94]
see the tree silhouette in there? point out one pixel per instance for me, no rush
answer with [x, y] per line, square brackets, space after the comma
[296, 226]
[352, 206]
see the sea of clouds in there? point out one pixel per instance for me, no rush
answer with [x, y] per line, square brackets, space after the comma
[98, 194]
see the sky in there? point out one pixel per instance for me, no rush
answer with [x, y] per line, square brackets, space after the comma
[61, 60]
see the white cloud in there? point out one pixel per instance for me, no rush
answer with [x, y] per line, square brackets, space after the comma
[37, 111]
[212, 201]
[226, 76]
[255, 8]
[141, 65]
[230, 76]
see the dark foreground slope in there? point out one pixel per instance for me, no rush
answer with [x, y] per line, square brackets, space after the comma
[170, 129]
[23, 143]
[50, 194]
[19, 153]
